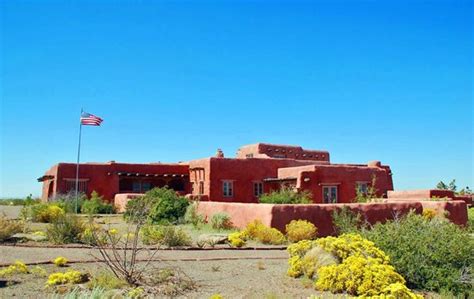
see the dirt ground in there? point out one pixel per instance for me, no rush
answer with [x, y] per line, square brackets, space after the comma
[231, 279]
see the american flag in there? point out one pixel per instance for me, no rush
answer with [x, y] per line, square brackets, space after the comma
[88, 119]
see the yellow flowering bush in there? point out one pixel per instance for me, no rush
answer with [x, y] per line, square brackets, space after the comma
[18, 267]
[298, 230]
[357, 275]
[352, 244]
[348, 264]
[68, 277]
[395, 291]
[236, 239]
[306, 257]
[216, 296]
[255, 230]
[295, 268]
[300, 248]
[50, 213]
[60, 261]
[429, 213]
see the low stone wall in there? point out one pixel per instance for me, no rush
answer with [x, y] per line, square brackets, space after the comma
[278, 216]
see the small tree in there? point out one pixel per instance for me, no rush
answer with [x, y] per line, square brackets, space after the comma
[369, 195]
[453, 187]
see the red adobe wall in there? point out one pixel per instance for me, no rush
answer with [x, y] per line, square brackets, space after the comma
[427, 194]
[320, 214]
[419, 194]
[244, 172]
[241, 171]
[103, 177]
[345, 177]
[456, 209]
[265, 150]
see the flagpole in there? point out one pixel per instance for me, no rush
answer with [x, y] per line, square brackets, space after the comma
[77, 164]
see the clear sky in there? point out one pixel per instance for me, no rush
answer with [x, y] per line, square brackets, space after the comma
[368, 80]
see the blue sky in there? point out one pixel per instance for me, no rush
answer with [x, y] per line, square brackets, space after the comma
[368, 80]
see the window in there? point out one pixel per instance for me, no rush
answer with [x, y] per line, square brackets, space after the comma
[71, 185]
[146, 186]
[136, 186]
[330, 194]
[228, 188]
[362, 187]
[257, 189]
[201, 188]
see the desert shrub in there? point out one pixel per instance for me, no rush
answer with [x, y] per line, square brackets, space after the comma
[236, 239]
[60, 261]
[357, 275]
[18, 267]
[352, 244]
[93, 235]
[221, 221]
[68, 277]
[42, 212]
[165, 235]
[429, 213]
[106, 280]
[314, 259]
[368, 195]
[65, 229]
[286, 196]
[191, 216]
[298, 230]
[306, 257]
[433, 254]
[69, 202]
[9, 227]
[96, 205]
[255, 230]
[346, 221]
[470, 220]
[164, 206]
[346, 264]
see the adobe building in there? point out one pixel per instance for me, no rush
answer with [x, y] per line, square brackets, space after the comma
[257, 169]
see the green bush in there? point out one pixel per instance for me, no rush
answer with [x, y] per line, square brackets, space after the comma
[286, 196]
[65, 229]
[191, 216]
[345, 221]
[96, 205]
[221, 221]
[434, 255]
[470, 220]
[165, 235]
[162, 205]
[69, 202]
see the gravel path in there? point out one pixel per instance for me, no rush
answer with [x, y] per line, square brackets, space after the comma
[8, 254]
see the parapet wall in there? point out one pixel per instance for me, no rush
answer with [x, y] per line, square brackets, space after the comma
[278, 216]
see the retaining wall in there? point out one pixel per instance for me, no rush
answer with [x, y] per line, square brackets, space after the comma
[278, 216]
